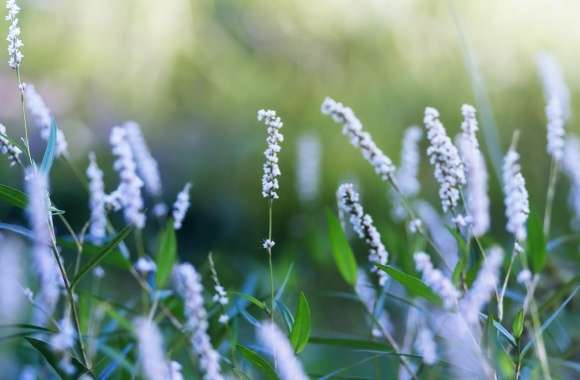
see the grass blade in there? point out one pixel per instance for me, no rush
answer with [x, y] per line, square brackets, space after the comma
[258, 362]
[341, 251]
[301, 327]
[414, 286]
[50, 150]
[166, 255]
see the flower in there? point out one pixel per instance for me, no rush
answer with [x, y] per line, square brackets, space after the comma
[483, 287]
[477, 202]
[147, 167]
[128, 194]
[188, 285]
[410, 158]
[435, 225]
[362, 224]
[14, 41]
[557, 97]
[515, 195]
[181, 206]
[353, 129]
[43, 119]
[570, 166]
[97, 200]
[288, 367]
[271, 168]
[220, 296]
[12, 275]
[436, 280]
[145, 265]
[63, 342]
[425, 345]
[524, 277]
[8, 148]
[268, 244]
[151, 356]
[308, 167]
[443, 155]
[44, 260]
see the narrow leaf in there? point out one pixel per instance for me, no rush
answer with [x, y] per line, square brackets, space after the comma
[110, 247]
[258, 361]
[414, 286]
[536, 243]
[13, 196]
[166, 255]
[44, 349]
[50, 150]
[356, 344]
[301, 328]
[343, 256]
[518, 324]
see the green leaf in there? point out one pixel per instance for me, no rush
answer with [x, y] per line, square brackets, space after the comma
[343, 256]
[45, 350]
[286, 314]
[301, 327]
[518, 324]
[114, 259]
[262, 305]
[110, 247]
[13, 196]
[50, 151]
[166, 255]
[258, 361]
[414, 286]
[536, 243]
[356, 344]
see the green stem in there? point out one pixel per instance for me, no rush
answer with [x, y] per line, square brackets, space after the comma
[23, 104]
[271, 202]
[550, 197]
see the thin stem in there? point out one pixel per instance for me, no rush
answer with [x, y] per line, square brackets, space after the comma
[504, 287]
[271, 202]
[550, 196]
[23, 104]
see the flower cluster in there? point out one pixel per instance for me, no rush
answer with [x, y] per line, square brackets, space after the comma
[45, 262]
[557, 98]
[476, 169]
[362, 224]
[425, 345]
[443, 155]
[353, 129]
[271, 168]
[14, 41]
[483, 287]
[63, 342]
[220, 296]
[435, 225]
[517, 207]
[147, 167]
[97, 200]
[181, 206]
[288, 367]
[8, 148]
[410, 158]
[43, 119]
[188, 284]
[151, 356]
[436, 280]
[128, 194]
[308, 167]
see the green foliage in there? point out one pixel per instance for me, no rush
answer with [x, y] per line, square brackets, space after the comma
[258, 362]
[166, 254]
[343, 256]
[301, 327]
[536, 243]
[414, 286]
[50, 151]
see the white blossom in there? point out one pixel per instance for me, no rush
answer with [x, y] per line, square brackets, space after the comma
[362, 224]
[11, 151]
[353, 129]
[145, 265]
[271, 168]
[12, 275]
[14, 41]
[570, 165]
[128, 194]
[524, 277]
[43, 119]
[426, 346]
[220, 296]
[188, 285]
[477, 178]
[97, 200]
[368, 296]
[483, 287]
[175, 371]
[557, 98]
[408, 169]
[151, 355]
[443, 155]
[44, 260]
[308, 167]
[181, 206]
[63, 342]
[443, 239]
[288, 366]
[268, 244]
[436, 280]
[147, 167]
[515, 196]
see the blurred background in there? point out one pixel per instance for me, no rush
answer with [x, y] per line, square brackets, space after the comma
[194, 73]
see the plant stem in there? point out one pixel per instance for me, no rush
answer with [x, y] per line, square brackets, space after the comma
[23, 104]
[271, 202]
[550, 196]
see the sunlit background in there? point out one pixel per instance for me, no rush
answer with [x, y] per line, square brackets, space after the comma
[194, 73]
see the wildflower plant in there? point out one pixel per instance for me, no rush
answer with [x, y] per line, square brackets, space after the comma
[452, 298]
